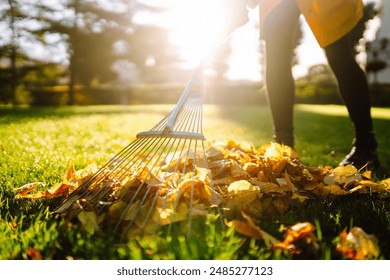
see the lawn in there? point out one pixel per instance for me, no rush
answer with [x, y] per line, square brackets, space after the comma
[39, 144]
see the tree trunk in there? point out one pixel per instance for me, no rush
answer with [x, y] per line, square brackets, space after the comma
[13, 54]
[72, 82]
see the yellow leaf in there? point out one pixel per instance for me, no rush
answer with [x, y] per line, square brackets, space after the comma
[276, 150]
[299, 197]
[365, 243]
[89, 221]
[365, 186]
[251, 168]
[385, 184]
[332, 190]
[342, 175]
[117, 210]
[242, 192]
[246, 147]
[269, 187]
[168, 215]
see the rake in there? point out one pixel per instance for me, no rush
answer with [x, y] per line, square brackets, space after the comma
[162, 177]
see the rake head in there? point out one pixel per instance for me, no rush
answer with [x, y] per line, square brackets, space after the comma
[160, 178]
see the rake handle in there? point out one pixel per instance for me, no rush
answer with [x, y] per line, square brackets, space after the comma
[169, 127]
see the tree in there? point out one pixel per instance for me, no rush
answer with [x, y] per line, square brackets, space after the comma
[152, 53]
[89, 29]
[20, 28]
[375, 63]
[357, 34]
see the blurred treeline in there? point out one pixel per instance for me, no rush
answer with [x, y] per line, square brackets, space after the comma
[57, 52]
[51, 52]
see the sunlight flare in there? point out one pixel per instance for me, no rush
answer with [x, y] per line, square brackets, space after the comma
[198, 27]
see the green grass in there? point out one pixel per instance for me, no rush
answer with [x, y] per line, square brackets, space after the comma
[38, 144]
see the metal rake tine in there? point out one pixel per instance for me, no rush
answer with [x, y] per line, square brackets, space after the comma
[83, 190]
[142, 185]
[212, 187]
[176, 204]
[96, 199]
[163, 179]
[132, 160]
[181, 174]
[191, 196]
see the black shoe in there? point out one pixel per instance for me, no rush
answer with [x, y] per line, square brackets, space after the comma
[363, 154]
[284, 139]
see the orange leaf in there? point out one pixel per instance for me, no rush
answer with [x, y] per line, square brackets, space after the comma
[299, 231]
[33, 254]
[245, 229]
[69, 175]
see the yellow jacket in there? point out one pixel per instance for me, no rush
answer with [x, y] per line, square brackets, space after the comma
[329, 20]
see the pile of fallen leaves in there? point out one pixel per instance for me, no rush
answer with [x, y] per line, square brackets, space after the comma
[247, 183]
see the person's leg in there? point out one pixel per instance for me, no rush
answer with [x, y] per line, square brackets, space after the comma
[354, 91]
[279, 35]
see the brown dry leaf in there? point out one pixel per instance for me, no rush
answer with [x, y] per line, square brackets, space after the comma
[69, 175]
[58, 190]
[24, 191]
[269, 187]
[299, 231]
[277, 164]
[287, 183]
[215, 152]
[237, 171]
[70, 181]
[250, 229]
[196, 188]
[220, 168]
[265, 236]
[245, 229]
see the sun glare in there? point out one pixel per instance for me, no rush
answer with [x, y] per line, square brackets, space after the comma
[196, 28]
